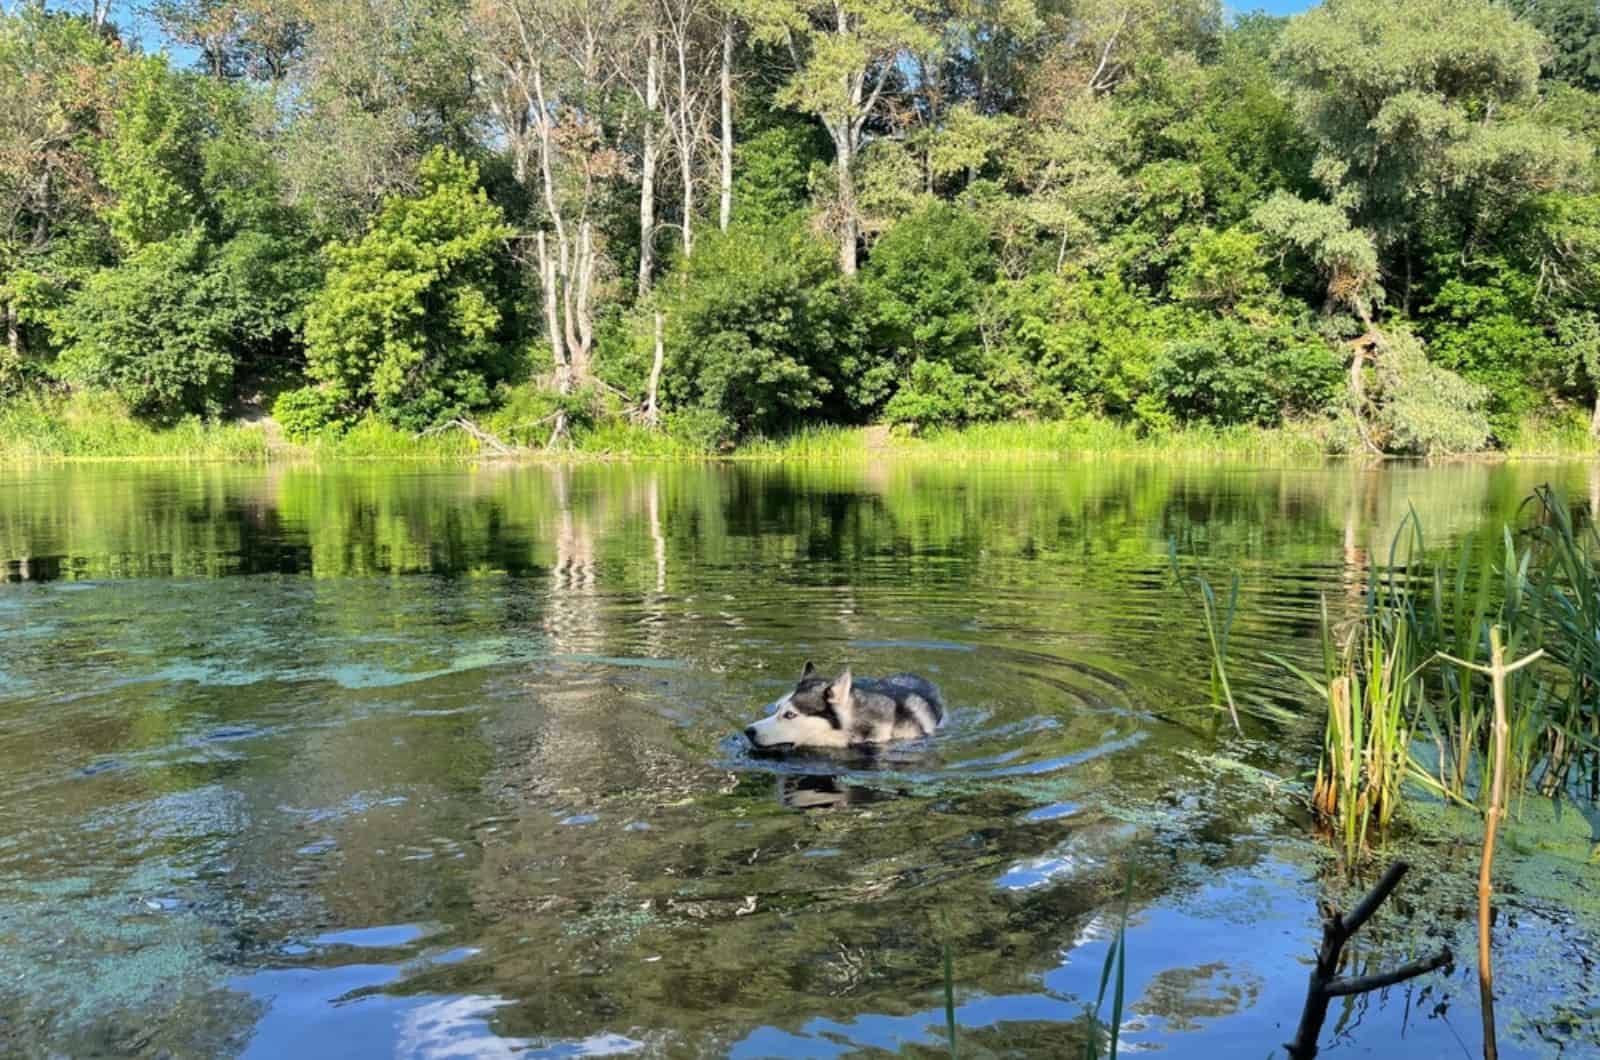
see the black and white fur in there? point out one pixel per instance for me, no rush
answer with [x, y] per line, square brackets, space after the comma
[849, 712]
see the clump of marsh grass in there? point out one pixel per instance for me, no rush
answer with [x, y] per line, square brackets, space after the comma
[1408, 671]
[1371, 685]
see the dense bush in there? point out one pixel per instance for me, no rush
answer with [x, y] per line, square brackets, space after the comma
[305, 412]
[410, 322]
[921, 294]
[1089, 342]
[756, 322]
[155, 329]
[1487, 329]
[1232, 372]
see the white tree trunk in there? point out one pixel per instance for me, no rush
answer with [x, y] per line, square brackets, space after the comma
[849, 225]
[647, 167]
[13, 335]
[552, 314]
[685, 145]
[652, 409]
[725, 208]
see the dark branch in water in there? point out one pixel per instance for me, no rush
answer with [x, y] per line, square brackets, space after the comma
[1361, 984]
[1325, 985]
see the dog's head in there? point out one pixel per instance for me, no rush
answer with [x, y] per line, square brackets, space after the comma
[815, 714]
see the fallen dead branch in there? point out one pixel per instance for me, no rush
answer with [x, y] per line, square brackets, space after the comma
[1325, 983]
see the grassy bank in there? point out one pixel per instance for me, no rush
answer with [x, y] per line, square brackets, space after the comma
[95, 427]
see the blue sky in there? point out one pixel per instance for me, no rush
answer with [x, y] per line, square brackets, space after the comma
[1271, 7]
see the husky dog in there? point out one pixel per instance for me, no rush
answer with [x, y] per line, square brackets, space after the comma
[847, 712]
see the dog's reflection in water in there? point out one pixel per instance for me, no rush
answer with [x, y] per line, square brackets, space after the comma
[805, 791]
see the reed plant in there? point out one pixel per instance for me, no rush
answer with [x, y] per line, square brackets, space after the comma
[1114, 973]
[1218, 620]
[1407, 673]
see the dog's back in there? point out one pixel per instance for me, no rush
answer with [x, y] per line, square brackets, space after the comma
[898, 707]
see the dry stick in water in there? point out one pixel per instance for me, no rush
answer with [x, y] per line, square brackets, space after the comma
[1498, 671]
[1325, 986]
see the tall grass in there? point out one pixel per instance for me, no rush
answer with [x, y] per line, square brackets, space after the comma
[1042, 442]
[96, 426]
[1407, 674]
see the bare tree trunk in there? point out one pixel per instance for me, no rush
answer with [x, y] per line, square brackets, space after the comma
[1594, 420]
[652, 411]
[849, 226]
[725, 210]
[685, 145]
[647, 167]
[1325, 986]
[552, 315]
[1358, 392]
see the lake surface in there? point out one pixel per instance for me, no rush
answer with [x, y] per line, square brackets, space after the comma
[442, 762]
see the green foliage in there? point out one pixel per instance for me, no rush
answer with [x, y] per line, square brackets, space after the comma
[921, 293]
[1224, 269]
[1572, 28]
[936, 393]
[154, 329]
[1486, 326]
[1087, 343]
[409, 323]
[773, 172]
[755, 322]
[151, 161]
[1423, 408]
[1236, 372]
[306, 412]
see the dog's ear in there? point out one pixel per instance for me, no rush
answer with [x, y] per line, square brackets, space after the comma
[839, 691]
[807, 670]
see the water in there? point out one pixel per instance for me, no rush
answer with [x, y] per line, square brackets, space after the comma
[441, 762]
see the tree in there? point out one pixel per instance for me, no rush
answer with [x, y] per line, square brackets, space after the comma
[1413, 105]
[845, 55]
[210, 272]
[154, 330]
[409, 323]
[1573, 29]
[238, 38]
[921, 291]
[54, 77]
[544, 58]
[755, 323]
[376, 85]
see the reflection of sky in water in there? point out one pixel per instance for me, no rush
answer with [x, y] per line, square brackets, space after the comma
[342, 1011]
[1256, 943]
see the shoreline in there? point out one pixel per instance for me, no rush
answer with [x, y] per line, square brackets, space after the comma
[94, 431]
[949, 449]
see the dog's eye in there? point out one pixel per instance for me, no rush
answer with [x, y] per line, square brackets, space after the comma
[790, 714]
